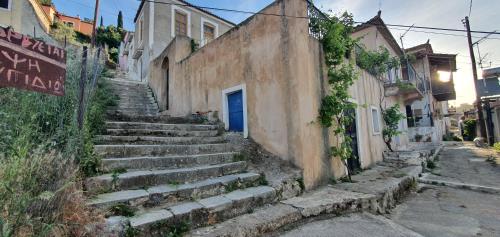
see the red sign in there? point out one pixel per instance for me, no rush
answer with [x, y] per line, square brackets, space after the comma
[30, 64]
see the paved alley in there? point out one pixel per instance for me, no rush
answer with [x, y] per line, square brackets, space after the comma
[435, 210]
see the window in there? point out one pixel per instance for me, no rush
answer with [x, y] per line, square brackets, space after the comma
[208, 32]
[5, 4]
[141, 30]
[375, 120]
[180, 23]
[69, 24]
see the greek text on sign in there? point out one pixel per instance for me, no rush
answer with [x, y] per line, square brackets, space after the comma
[30, 64]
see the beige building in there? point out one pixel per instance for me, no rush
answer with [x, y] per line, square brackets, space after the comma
[428, 118]
[266, 78]
[25, 16]
[157, 24]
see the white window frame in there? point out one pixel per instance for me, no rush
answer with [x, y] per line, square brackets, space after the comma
[378, 119]
[188, 14]
[9, 6]
[140, 39]
[225, 107]
[216, 33]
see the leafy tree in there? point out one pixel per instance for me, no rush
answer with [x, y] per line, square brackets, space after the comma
[335, 36]
[46, 2]
[110, 35]
[391, 116]
[102, 22]
[120, 20]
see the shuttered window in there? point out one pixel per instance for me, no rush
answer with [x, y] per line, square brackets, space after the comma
[4, 4]
[180, 23]
[208, 32]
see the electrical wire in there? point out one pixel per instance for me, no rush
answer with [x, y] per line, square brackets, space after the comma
[307, 17]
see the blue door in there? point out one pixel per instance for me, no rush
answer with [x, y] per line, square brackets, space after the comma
[235, 106]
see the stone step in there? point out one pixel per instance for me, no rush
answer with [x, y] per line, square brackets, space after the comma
[161, 133]
[125, 82]
[119, 113]
[167, 162]
[159, 126]
[203, 212]
[117, 151]
[134, 105]
[133, 110]
[146, 178]
[167, 195]
[151, 140]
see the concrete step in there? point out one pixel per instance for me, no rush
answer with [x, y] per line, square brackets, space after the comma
[135, 105]
[202, 212]
[125, 82]
[132, 113]
[152, 140]
[162, 133]
[159, 126]
[146, 178]
[134, 110]
[117, 151]
[167, 195]
[167, 162]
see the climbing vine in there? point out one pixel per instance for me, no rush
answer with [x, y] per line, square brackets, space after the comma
[378, 63]
[335, 37]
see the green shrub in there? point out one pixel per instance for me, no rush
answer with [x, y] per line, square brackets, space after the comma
[496, 146]
[41, 152]
[469, 129]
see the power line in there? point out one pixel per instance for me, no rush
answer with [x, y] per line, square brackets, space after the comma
[439, 33]
[307, 17]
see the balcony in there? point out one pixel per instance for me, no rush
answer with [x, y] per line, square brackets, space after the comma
[443, 89]
[411, 87]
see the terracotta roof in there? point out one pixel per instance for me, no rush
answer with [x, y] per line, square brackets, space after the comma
[187, 4]
[382, 28]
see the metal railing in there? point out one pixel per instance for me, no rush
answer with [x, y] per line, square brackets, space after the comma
[412, 76]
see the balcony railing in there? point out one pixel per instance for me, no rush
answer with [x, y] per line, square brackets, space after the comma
[412, 76]
[411, 85]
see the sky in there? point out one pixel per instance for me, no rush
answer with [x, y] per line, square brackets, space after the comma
[436, 13]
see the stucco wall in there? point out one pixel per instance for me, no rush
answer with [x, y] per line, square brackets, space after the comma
[26, 17]
[280, 66]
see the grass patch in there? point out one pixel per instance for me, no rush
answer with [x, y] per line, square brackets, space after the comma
[302, 186]
[431, 164]
[239, 157]
[131, 232]
[44, 155]
[121, 210]
[178, 230]
[232, 186]
[262, 181]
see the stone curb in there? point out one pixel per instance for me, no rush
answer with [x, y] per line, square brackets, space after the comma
[327, 200]
[465, 186]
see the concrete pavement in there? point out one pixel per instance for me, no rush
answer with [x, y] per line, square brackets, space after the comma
[434, 210]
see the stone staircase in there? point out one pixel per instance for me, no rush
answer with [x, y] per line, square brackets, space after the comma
[159, 174]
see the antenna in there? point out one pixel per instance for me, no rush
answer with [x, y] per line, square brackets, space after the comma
[379, 5]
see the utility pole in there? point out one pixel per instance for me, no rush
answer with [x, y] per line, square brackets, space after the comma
[96, 12]
[482, 126]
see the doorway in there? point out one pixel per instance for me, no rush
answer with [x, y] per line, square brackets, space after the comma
[353, 163]
[166, 76]
[234, 108]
